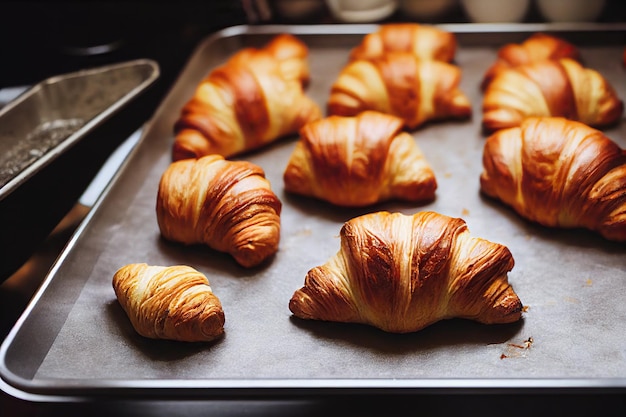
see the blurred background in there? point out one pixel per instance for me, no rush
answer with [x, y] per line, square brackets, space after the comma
[40, 38]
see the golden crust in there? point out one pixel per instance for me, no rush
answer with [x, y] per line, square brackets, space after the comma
[174, 302]
[401, 273]
[400, 84]
[562, 88]
[255, 98]
[227, 205]
[558, 173]
[423, 41]
[538, 47]
[359, 161]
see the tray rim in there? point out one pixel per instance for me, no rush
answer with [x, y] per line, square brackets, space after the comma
[77, 390]
[460, 28]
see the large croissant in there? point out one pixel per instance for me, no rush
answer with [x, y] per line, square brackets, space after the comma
[559, 173]
[173, 302]
[358, 161]
[401, 273]
[402, 85]
[227, 205]
[550, 88]
[538, 47]
[423, 41]
[256, 97]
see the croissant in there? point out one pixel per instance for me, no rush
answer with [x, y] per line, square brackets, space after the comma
[256, 97]
[550, 88]
[424, 41]
[558, 173]
[401, 273]
[402, 85]
[538, 47]
[227, 205]
[358, 161]
[169, 302]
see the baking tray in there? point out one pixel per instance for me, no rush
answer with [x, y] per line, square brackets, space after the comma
[74, 341]
[58, 132]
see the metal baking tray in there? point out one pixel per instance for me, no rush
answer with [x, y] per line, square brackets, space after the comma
[49, 136]
[74, 341]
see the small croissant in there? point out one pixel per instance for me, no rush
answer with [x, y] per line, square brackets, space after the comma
[401, 273]
[558, 173]
[169, 302]
[538, 47]
[255, 98]
[402, 85]
[227, 205]
[561, 88]
[358, 161]
[424, 41]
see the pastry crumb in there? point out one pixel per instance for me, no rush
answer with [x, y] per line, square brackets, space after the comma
[517, 350]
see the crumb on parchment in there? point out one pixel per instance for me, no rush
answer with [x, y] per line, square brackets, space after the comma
[517, 350]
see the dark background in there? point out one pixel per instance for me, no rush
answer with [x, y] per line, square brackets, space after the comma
[43, 38]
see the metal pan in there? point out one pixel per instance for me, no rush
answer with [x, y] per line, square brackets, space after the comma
[48, 140]
[74, 341]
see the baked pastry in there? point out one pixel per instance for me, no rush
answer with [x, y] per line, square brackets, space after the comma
[402, 85]
[423, 41]
[227, 205]
[562, 88]
[255, 98]
[538, 47]
[401, 273]
[558, 173]
[169, 302]
[359, 161]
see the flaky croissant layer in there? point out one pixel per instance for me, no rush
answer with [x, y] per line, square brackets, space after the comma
[557, 88]
[358, 161]
[173, 302]
[538, 47]
[400, 84]
[227, 205]
[559, 173]
[426, 42]
[401, 273]
[255, 98]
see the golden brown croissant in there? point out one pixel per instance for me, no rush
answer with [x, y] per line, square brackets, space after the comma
[402, 85]
[227, 205]
[256, 97]
[358, 161]
[401, 273]
[169, 302]
[550, 88]
[559, 173]
[423, 41]
[538, 47]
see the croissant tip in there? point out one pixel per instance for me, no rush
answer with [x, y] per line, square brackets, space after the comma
[461, 106]
[255, 256]
[213, 326]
